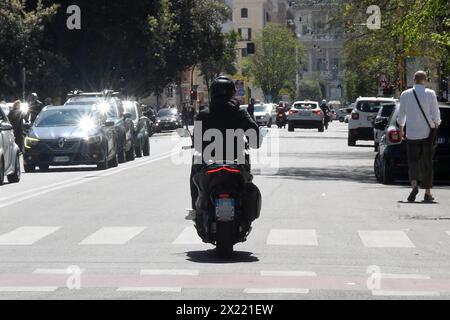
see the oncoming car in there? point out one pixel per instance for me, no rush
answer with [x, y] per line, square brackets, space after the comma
[168, 119]
[9, 152]
[263, 115]
[70, 135]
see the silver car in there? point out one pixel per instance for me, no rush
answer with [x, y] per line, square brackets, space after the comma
[306, 114]
[9, 152]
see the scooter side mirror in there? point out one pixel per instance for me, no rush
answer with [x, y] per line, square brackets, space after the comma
[183, 133]
[263, 131]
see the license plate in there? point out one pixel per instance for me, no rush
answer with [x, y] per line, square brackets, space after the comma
[306, 113]
[225, 209]
[441, 140]
[61, 159]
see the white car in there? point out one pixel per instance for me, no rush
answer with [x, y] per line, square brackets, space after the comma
[306, 115]
[360, 123]
[9, 152]
[263, 115]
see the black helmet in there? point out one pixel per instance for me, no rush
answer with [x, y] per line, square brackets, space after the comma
[223, 87]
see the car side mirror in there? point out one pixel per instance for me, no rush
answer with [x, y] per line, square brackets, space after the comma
[4, 126]
[127, 115]
[109, 123]
[184, 133]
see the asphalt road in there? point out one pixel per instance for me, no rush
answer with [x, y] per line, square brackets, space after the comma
[327, 230]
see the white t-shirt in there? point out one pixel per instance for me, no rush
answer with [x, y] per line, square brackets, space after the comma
[410, 114]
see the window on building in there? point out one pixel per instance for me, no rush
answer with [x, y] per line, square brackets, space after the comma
[245, 34]
[267, 17]
[244, 52]
[244, 13]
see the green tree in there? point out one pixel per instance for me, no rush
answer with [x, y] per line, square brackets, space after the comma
[310, 89]
[212, 68]
[21, 33]
[279, 56]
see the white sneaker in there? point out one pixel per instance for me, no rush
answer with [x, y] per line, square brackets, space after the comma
[190, 215]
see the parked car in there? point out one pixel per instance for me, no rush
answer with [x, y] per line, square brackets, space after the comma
[168, 119]
[70, 135]
[142, 128]
[113, 108]
[263, 115]
[360, 125]
[307, 115]
[382, 118]
[391, 159]
[9, 152]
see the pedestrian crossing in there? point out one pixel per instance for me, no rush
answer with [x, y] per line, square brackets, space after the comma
[121, 235]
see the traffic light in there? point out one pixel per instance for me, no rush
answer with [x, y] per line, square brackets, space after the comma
[250, 48]
[193, 95]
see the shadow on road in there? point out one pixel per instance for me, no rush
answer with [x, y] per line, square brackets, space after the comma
[360, 174]
[209, 256]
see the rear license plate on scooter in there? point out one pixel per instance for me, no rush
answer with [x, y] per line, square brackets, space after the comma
[225, 209]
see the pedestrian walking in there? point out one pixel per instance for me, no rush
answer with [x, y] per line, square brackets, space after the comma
[16, 118]
[251, 108]
[419, 112]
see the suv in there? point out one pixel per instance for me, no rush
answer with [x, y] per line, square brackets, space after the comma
[9, 152]
[114, 110]
[380, 122]
[306, 114]
[391, 160]
[360, 125]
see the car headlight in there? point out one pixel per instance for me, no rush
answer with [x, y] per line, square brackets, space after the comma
[93, 139]
[29, 142]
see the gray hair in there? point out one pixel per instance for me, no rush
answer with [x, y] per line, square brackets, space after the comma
[420, 76]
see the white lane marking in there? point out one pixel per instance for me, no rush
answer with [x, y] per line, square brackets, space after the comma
[405, 293]
[288, 237]
[188, 236]
[385, 239]
[26, 235]
[157, 272]
[55, 271]
[28, 289]
[288, 274]
[405, 276]
[149, 289]
[81, 180]
[112, 235]
[276, 290]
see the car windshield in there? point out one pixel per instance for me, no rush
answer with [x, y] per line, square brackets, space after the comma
[167, 112]
[369, 106]
[103, 106]
[387, 110]
[62, 118]
[260, 108]
[305, 105]
[132, 109]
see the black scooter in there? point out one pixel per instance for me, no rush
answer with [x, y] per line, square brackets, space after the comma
[227, 204]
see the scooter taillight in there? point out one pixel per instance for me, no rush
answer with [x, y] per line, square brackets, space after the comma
[224, 196]
[223, 169]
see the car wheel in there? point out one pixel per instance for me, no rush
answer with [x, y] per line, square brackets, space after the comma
[29, 168]
[122, 157]
[104, 164]
[146, 147]
[2, 172]
[130, 154]
[44, 167]
[351, 141]
[138, 150]
[290, 127]
[114, 162]
[15, 177]
[387, 174]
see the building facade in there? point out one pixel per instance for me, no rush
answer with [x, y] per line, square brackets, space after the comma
[323, 45]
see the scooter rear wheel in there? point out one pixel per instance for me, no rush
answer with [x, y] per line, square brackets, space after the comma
[224, 240]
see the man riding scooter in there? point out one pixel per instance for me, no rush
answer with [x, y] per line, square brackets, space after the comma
[281, 116]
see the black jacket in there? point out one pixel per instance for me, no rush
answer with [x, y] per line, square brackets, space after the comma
[16, 119]
[225, 115]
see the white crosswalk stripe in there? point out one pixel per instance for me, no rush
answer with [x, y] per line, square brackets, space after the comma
[289, 237]
[288, 274]
[26, 235]
[149, 289]
[28, 289]
[385, 239]
[276, 290]
[387, 293]
[112, 236]
[188, 236]
[158, 272]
